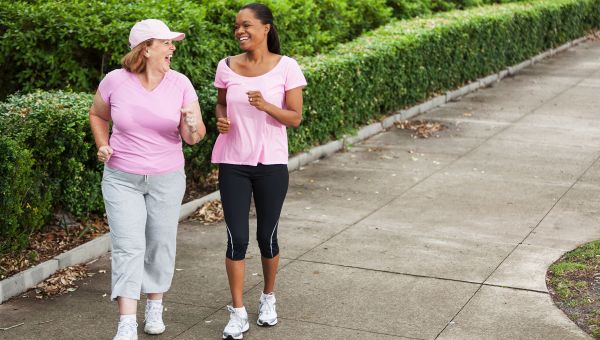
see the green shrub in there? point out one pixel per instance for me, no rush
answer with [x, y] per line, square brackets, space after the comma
[406, 62]
[394, 66]
[54, 128]
[71, 45]
[403, 9]
[24, 205]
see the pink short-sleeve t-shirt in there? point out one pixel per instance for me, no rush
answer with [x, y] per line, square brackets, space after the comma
[145, 132]
[254, 136]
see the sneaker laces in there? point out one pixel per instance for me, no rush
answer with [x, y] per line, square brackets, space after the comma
[267, 304]
[154, 313]
[235, 320]
[127, 328]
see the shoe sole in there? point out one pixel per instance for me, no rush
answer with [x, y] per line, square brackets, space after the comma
[231, 337]
[154, 331]
[266, 323]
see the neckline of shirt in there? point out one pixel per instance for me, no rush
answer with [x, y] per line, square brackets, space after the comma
[262, 75]
[138, 82]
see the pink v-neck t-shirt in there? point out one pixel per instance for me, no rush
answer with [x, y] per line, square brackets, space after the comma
[145, 132]
[254, 136]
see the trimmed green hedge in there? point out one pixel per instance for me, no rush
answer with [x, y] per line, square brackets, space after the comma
[47, 157]
[59, 44]
[405, 62]
[404, 9]
[71, 44]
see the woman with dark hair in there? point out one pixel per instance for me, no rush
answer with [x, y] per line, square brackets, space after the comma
[259, 95]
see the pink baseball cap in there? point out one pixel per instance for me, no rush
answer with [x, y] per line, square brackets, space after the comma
[151, 29]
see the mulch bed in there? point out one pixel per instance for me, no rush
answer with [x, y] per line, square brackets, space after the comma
[52, 241]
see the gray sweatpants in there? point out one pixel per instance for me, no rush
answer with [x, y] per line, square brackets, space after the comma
[143, 214]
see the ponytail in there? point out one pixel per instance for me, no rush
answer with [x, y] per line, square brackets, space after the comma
[273, 40]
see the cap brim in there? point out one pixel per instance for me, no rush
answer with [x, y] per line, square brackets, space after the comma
[176, 36]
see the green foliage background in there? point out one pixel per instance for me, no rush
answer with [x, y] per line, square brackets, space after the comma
[59, 44]
[47, 155]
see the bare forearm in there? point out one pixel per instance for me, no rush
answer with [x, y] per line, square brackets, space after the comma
[221, 111]
[193, 136]
[191, 126]
[99, 128]
[288, 118]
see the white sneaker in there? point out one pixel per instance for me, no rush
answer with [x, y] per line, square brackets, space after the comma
[153, 322]
[127, 331]
[237, 325]
[267, 316]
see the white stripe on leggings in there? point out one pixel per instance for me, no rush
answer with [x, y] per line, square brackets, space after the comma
[230, 239]
[271, 244]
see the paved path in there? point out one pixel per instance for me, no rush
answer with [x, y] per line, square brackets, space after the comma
[403, 238]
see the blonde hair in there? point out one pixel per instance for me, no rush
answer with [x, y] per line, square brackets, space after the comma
[135, 61]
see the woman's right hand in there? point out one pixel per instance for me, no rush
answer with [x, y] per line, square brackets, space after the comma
[104, 153]
[223, 124]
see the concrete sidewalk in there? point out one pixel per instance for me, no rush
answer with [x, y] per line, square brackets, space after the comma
[446, 237]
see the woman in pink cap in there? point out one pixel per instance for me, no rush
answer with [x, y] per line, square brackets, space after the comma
[152, 108]
[259, 94]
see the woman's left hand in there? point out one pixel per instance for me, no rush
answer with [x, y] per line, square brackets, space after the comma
[256, 99]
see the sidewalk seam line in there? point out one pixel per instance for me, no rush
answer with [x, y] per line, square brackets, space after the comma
[555, 203]
[425, 276]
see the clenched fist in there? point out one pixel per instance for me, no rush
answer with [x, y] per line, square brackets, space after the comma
[223, 124]
[104, 153]
[256, 99]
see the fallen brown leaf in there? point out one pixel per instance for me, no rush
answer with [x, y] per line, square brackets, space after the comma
[209, 212]
[422, 129]
[61, 282]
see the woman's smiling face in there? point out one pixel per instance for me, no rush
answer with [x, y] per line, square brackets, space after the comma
[249, 31]
[160, 53]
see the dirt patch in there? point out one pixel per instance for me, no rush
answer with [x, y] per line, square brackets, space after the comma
[574, 284]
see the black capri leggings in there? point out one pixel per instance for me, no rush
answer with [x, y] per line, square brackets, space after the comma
[268, 184]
